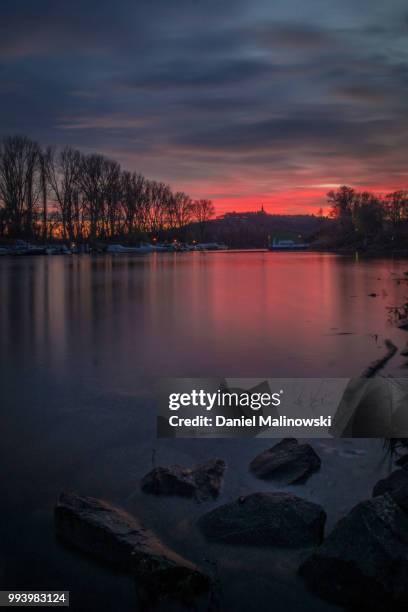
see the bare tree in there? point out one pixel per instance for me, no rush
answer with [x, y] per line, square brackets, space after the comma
[44, 159]
[135, 202]
[342, 202]
[113, 192]
[367, 213]
[18, 183]
[181, 210]
[159, 197]
[63, 175]
[396, 207]
[54, 222]
[90, 194]
[203, 210]
[92, 179]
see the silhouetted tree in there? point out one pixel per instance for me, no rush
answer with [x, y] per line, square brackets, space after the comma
[113, 193]
[49, 192]
[396, 207]
[134, 202]
[159, 200]
[44, 159]
[63, 176]
[181, 210]
[342, 204]
[203, 211]
[18, 183]
[367, 214]
[92, 180]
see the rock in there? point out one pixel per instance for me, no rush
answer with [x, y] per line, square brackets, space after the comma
[114, 536]
[364, 561]
[396, 446]
[288, 462]
[402, 460]
[173, 480]
[277, 519]
[209, 478]
[203, 481]
[396, 484]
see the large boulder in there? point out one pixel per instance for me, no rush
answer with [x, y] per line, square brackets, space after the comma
[266, 519]
[363, 563]
[114, 536]
[202, 482]
[288, 462]
[396, 484]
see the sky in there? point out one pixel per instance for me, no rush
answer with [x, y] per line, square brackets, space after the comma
[246, 102]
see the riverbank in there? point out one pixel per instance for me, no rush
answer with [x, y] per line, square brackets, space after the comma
[370, 251]
[21, 247]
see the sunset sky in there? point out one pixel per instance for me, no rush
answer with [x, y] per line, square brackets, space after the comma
[244, 102]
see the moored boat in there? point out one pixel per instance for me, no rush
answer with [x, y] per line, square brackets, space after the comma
[287, 245]
[119, 249]
[210, 246]
[57, 249]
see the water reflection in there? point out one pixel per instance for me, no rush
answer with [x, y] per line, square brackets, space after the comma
[257, 314]
[81, 338]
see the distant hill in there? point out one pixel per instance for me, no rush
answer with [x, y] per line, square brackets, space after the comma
[254, 229]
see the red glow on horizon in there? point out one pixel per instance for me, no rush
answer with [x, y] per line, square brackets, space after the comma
[290, 202]
[295, 201]
[298, 186]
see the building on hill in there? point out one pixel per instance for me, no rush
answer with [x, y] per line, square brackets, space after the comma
[250, 215]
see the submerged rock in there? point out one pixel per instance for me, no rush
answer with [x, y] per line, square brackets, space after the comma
[396, 484]
[287, 462]
[114, 536]
[277, 519]
[203, 481]
[364, 561]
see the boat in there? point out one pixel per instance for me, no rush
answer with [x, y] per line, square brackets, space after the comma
[210, 246]
[119, 249]
[21, 247]
[164, 248]
[57, 249]
[287, 245]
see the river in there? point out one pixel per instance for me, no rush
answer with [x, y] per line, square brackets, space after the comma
[82, 342]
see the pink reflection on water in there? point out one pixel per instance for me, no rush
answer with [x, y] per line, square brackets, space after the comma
[198, 314]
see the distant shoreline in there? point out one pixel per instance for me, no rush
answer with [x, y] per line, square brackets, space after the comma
[346, 252]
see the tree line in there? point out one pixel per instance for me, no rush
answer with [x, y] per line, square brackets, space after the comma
[366, 212]
[48, 193]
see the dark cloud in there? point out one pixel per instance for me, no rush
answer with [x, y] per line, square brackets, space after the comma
[314, 131]
[297, 36]
[201, 74]
[192, 89]
[362, 94]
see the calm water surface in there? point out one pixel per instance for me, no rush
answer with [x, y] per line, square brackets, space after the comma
[236, 314]
[82, 340]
